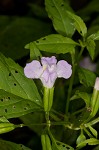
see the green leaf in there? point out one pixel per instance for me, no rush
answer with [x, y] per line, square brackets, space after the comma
[57, 145]
[80, 139]
[86, 77]
[55, 43]
[78, 23]
[83, 95]
[94, 132]
[12, 106]
[90, 45]
[15, 87]
[91, 141]
[4, 145]
[28, 29]
[61, 146]
[57, 12]
[3, 119]
[94, 36]
[34, 51]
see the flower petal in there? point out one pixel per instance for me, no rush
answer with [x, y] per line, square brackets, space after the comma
[48, 79]
[33, 69]
[64, 69]
[48, 60]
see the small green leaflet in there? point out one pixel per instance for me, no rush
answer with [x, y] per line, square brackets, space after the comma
[57, 12]
[90, 45]
[78, 23]
[91, 141]
[86, 77]
[18, 95]
[34, 51]
[55, 43]
[94, 132]
[81, 138]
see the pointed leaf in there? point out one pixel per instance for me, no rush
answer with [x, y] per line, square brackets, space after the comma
[13, 80]
[78, 23]
[34, 51]
[90, 45]
[94, 132]
[91, 141]
[80, 139]
[86, 77]
[57, 12]
[55, 43]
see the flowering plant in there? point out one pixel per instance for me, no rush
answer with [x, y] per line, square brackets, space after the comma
[54, 109]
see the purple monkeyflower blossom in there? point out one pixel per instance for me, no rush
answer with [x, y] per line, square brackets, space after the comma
[48, 70]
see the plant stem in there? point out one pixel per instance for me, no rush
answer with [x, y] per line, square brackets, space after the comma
[79, 56]
[74, 64]
[70, 84]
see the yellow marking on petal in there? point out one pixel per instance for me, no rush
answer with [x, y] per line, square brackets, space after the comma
[44, 68]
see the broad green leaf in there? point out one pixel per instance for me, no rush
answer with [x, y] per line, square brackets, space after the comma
[86, 77]
[94, 36]
[7, 145]
[78, 23]
[14, 106]
[14, 83]
[55, 43]
[90, 45]
[94, 132]
[91, 141]
[57, 12]
[18, 32]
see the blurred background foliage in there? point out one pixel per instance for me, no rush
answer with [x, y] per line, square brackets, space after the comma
[23, 21]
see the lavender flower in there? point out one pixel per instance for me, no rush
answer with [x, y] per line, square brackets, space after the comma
[88, 64]
[48, 70]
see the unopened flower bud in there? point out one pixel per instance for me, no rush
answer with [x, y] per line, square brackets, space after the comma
[96, 86]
